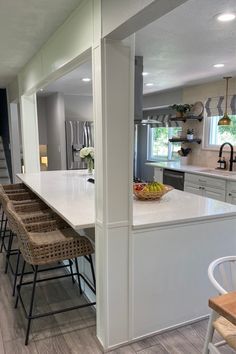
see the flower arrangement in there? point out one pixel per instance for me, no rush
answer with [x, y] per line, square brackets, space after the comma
[87, 153]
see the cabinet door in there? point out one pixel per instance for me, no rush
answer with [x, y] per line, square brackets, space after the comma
[158, 174]
[231, 198]
[192, 188]
[231, 192]
[214, 193]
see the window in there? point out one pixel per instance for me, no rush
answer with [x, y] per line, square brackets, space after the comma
[217, 135]
[159, 147]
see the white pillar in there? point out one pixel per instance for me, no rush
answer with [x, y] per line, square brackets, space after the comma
[113, 80]
[30, 136]
[14, 140]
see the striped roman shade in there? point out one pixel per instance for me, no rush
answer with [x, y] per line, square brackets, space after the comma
[215, 106]
[162, 115]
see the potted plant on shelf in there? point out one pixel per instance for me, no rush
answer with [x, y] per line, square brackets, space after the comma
[181, 109]
[190, 134]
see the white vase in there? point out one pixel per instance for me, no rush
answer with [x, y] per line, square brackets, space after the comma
[190, 136]
[184, 160]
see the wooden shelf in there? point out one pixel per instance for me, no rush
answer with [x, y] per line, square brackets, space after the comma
[185, 140]
[184, 119]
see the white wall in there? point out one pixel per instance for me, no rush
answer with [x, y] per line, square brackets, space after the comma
[165, 98]
[122, 18]
[78, 107]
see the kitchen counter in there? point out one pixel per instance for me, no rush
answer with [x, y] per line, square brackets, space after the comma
[167, 252]
[70, 195]
[67, 192]
[206, 171]
[178, 207]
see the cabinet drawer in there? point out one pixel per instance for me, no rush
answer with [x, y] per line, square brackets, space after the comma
[205, 181]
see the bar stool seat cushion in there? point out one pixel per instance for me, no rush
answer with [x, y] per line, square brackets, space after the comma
[227, 330]
[56, 245]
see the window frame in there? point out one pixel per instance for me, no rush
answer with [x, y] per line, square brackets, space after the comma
[206, 136]
[169, 156]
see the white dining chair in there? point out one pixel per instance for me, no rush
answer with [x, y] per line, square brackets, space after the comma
[222, 275]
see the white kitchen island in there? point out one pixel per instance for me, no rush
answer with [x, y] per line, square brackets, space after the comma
[171, 243]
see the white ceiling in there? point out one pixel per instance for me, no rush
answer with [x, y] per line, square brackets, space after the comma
[24, 26]
[180, 48]
[72, 84]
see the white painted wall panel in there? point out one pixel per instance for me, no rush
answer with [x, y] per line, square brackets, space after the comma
[169, 278]
[71, 39]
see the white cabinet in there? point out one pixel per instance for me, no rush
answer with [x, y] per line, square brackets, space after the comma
[214, 188]
[231, 193]
[192, 188]
[158, 174]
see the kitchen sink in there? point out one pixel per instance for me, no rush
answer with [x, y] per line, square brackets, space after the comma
[219, 172]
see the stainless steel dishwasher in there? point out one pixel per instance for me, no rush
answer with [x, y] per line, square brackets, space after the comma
[174, 179]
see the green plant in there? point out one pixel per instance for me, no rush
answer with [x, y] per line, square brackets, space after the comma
[183, 108]
[190, 131]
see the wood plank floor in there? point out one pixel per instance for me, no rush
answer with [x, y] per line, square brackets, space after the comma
[75, 332]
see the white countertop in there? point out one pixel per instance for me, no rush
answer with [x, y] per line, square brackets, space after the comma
[67, 192]
[175, 165]
[178, 207]
[72, 197]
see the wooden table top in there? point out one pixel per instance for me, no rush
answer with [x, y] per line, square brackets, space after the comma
[225, 305]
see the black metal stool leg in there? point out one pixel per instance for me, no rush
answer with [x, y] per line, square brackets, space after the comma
[31, 305]
[16, 273]
[20, 283]
[8, 251]
[3, 234]
[77, 271]
[71, 271]
[2, 219]
[92, 271]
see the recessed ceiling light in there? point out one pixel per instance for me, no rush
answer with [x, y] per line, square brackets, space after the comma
[41, 90]
[218, 65]
[225, 17]
[86, 79]
[149, 84]
[145, 73]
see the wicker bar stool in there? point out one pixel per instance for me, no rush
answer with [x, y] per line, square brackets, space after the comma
[43, 244]
[8, 189]
[19, 199]
[22, 198]
[29, 214]
[14, 189]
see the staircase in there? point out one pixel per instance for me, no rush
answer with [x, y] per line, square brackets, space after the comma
[4, 175]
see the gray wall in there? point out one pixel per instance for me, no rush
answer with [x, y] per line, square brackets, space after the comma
[78, 107]
[56, 146]
[42, 120]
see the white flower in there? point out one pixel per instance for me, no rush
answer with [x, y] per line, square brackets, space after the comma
[87, 152]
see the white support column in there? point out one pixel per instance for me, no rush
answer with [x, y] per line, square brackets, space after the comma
[30, 136]
[14, 140]
[113, 80]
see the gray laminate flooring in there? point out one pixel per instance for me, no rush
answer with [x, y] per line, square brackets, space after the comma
[74, 332]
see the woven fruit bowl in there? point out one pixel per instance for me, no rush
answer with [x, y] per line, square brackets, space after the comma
[150, 191]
